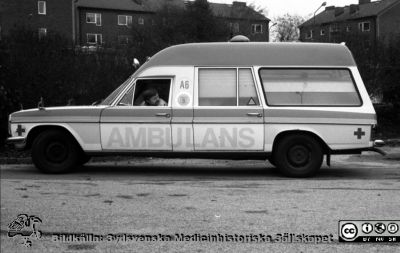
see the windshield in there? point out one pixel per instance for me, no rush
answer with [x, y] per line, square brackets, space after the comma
[108, 100]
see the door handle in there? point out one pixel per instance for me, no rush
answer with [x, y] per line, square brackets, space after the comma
[163, 114]
[254, 114]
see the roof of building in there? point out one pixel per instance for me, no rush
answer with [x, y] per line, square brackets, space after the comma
[360, 11]
[129, 5]
[253, 54]
[237, 10]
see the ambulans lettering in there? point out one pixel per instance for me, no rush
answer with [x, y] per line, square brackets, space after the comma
[250, 140]
[228, 139]
[154, 137]
[144, 137]
[183, 141]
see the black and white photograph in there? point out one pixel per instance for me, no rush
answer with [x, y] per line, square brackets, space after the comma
[200, 126]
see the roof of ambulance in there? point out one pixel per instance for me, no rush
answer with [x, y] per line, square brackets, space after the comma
[254, 54]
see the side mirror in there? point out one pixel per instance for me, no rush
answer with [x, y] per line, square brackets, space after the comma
[41, 104]
[97, 102]
[135, 63]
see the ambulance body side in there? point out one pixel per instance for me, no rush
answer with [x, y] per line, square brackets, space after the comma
[339, 128]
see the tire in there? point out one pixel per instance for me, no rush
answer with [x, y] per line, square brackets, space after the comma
[55, 151]
[298, 155]
[83, 158]
[271, 161]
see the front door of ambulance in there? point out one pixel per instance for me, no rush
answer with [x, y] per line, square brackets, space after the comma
[228, 115]
[141, 120]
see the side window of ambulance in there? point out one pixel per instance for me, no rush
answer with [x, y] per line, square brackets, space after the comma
[221, 87]
[159, 89]
[247, 90]
[217, 87]
[309, 87]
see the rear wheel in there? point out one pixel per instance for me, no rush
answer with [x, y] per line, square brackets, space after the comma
[54, 151]
[298, 155]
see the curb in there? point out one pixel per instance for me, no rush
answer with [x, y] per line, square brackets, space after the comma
[392, 142]
[13, 160]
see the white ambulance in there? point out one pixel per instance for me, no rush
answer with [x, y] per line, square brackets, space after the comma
[290, 103]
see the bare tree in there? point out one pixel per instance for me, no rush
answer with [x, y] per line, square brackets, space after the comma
[259, 8]
[286, 28]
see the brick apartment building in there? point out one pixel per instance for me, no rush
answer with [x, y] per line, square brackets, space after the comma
[43, 16]
[365, 23]
[243, 20]
[107, 23]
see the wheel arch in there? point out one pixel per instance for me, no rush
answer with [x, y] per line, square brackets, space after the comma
[37, 130]
[285, 133]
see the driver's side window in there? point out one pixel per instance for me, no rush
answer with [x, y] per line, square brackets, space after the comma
[152, 92]
[147, 92]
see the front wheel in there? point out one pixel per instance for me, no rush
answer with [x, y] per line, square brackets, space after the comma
[271, 161]
[54, 151]
[298, 155]
[83, 158]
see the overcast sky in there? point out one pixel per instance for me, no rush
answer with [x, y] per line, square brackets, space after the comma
[304, 8]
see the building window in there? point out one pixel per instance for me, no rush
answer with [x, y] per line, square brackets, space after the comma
[366, 43]
[364, 26]
[141, 21]
[124, 20]
[93, 18]
[94, 38]
[42, 33]
[334, 28]
[322, 32]
[234, 27]
[310, 34]
[348, 28]
[256, 28]
[42, 7]
[124, 39]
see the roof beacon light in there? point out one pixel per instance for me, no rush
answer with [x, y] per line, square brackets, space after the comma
[240, 38]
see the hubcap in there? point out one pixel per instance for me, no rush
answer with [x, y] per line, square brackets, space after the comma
[298, 155]
[56, 152]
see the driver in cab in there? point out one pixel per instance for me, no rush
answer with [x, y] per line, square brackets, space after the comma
[151, 98]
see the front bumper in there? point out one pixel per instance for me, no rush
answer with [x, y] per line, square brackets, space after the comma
[19, 142]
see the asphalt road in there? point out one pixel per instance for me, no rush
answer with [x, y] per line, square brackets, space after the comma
[160, 196]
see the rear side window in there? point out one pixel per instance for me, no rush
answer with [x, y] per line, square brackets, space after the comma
[309, 87]
[227, 87]
[217, 87]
